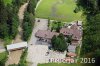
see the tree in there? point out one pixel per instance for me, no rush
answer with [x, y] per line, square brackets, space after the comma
[31, 6]
[96, 54]
[23, 61]
[56, 26]
[27, 25]
[3, 30]
[9, 19]
[59, 27]
[3, 20]
[18, 3]
[91, 9]
[58, 43]
[3, 58]
[91, 32]
[12, 21]
[69, 39]
[89, 6]
[53, 41]
[14, 27]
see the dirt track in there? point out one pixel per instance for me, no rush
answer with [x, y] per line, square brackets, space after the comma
[21, 16]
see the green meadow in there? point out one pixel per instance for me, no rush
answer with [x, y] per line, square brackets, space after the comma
[61, 10]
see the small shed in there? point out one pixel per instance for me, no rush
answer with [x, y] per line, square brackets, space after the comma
[17, 46]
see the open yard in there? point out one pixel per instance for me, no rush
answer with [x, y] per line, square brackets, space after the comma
[62, 10]
[14, 57]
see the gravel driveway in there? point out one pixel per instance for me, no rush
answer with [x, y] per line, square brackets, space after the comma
[36, 53]
[42, 25]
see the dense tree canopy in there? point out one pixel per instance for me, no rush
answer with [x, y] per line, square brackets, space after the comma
[91, 34]
[3, 20]
[31, 7]
[18, 3]
[3, 58]
[9, 19]
[29, 19]
[27, 25]
[91, 28]
[9, 22]
[59, 43]
[55, 25]
[89, 6]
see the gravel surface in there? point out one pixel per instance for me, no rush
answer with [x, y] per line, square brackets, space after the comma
[42, 25]
[36, 53]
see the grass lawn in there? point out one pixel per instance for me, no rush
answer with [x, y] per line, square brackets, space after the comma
[7, 1]
[56, 64]
[61, 10]
[63, 64]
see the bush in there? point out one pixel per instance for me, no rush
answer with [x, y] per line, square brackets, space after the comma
[56, 26]
[13, 65]
[27, 25]
[3, 58]
[23, 61]
[31, 6]
[76, 10]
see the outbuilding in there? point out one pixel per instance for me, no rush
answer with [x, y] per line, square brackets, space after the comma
[17, 46]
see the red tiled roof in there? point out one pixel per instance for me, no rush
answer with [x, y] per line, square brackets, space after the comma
[71, 54]
[76, 34]
[74, 26]
[74, 42]
[66, 31]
